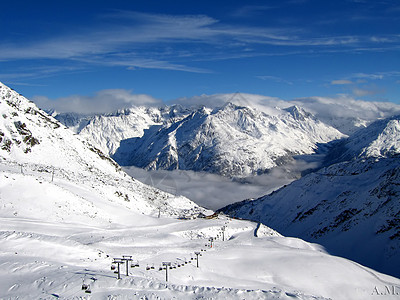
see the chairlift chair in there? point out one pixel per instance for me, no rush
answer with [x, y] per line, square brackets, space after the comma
[88, 290]
[152, 267]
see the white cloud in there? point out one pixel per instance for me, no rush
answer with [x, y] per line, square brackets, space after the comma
[104, 101]
[341, 82]
[369, 76]
[359, 92]
[263, 103]
[274, 78]
[214, 191]
[328, 109]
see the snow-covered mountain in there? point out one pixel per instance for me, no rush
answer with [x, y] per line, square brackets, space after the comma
[343, 113]
[35, 145]
[106, 131]
[351, 207]
[230, 140]
[380, 139]
[67, 210]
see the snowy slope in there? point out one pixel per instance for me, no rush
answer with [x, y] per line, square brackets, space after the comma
[38, 146]
[231, 141]
[44, 260]
[351, 207]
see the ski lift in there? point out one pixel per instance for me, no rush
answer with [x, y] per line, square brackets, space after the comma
[170, 267]
[133, 265]
[88, 290]
[147, 268]
[160, 268]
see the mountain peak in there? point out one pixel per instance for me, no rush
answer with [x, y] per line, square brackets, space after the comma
[298, 113]
[379, 139]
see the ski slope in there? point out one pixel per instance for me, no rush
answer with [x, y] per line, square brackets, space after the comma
[57, 234]
[49, 260]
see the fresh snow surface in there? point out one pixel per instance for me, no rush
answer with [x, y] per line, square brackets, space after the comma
[42, 259]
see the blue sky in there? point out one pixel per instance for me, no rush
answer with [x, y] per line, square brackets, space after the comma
[171, 49]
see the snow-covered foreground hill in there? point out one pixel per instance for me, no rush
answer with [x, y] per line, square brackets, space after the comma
[33, 143]
[42, 259]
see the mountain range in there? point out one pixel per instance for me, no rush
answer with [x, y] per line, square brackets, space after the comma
[232, 140]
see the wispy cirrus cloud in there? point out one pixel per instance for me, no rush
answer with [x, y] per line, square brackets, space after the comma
[248, 11]
[186, 43]
[364, 84]
[275, 79]
[134, 33]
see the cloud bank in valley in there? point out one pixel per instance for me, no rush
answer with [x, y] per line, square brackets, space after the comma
[213, 191]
